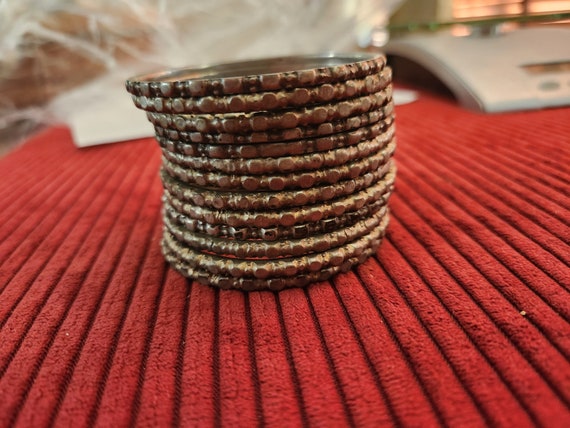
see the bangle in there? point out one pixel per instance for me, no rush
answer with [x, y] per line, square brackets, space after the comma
[271, 74]
[270, 200]
[239, 123]
[383, 129]
[268, 101]
[303, 180]
[267, 165]
[261, 249]
[297, 133]
[287, 218]
[298, 231]
[275, 284]
[270, 268]
[276, 172]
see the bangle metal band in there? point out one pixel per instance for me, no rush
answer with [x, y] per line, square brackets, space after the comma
[273, 135]
[275, 284]
[268, 165]
[270, 268]
[240, 123]
[256, 249]
[298, 231]
[278, 199]
[286, 218]
[268, 101]
[383, 129]
[276, 172]
[270, 74]
[302, 179]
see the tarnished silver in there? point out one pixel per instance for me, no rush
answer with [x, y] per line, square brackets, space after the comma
[274, 233]
[240, 123]
[383, 130]
[276, 182]
[264, 200]
[284, 164]
[275, 284]
[268, 101]
[283, 217]
[256, 249]
[271, 74]
[278, 267]
[271, 200]
[275, 135]
[276, 172]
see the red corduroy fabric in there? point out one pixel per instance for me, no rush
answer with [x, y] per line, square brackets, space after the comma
[461, 319]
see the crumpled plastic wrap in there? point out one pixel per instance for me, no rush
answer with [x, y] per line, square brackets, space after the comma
[48, 47]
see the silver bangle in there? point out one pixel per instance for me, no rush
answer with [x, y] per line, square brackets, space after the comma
[267, 200]
[276, 172]
[259, 75]
[268, 234]
[229, 152]
[268, 165]
[286, 217]
[268, 101]
[277, 135]
[239, 123]
[279, 267]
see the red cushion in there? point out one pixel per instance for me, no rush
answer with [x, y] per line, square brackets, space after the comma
[461, 319]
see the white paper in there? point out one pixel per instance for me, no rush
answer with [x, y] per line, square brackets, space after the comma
[180, 33]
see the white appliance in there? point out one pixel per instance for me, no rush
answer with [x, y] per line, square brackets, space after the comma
[524, 69]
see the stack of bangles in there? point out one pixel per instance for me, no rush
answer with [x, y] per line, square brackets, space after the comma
[276, 172]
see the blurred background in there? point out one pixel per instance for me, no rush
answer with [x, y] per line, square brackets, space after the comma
[50, 48]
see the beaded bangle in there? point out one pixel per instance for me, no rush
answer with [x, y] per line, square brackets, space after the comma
[294, 180]
[276, 172]
[295, 216]
[265, 165]
[286, 218]
[297, 133]
[256, 76]
[261, 249]
[267, 101]
[239, 123]
[274, 284]
[275, 200]
[270, 268]
[298, 231]
[382, 130]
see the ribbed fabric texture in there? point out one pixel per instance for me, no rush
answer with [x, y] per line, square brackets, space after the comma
[462, 318]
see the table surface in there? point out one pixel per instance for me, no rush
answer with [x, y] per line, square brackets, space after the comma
[460, 319]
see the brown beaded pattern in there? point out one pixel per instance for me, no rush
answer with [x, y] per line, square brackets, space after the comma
[275, 200]
[277, 172]
[302, 180]
[239, 123]
[268, 268]
[266, 101]
[275, 249]
[383, 130]
[287, 218]
[150, 86]
[297, 133]
[298, 231]
[267, 165]
[274, 284]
